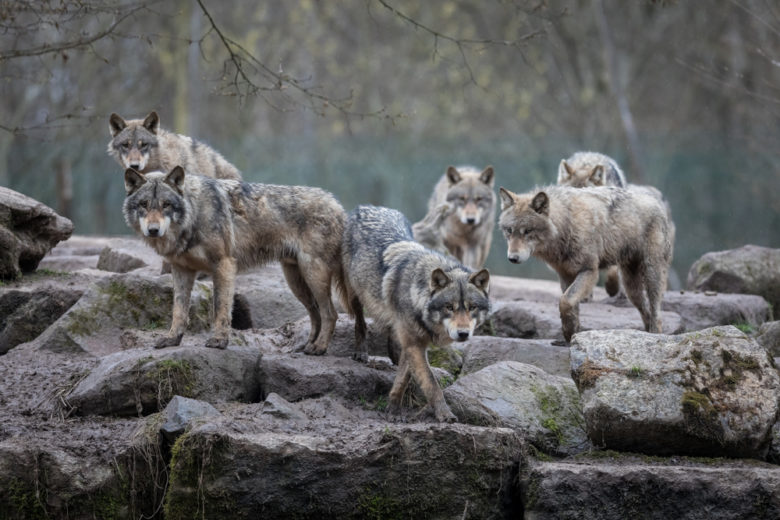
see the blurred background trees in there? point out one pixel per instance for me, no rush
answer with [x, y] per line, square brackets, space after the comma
[373, 99]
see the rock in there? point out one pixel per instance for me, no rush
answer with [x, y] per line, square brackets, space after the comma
[342, 344]
[513, 288]
[543, 408]
[701, 311]
[709, 393]
[482, 351]
[28, 230]
[125, 255]
[229, 469]
[523, 319]
[142, 381]
[179, 414]
[77, 252]
[769, 337]
[277, 406]
[633, 488]
[24, 314]
[298, 376]
[774, 448]
[268, 298]
[117, 302]
[747, 270]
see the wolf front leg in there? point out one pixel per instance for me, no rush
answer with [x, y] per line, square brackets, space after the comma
[183, 279]
[569, 305]
[224, 277]
[414, 350]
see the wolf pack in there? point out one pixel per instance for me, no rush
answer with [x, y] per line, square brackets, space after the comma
[425, 283]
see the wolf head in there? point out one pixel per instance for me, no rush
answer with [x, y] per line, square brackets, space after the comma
[133, 142]
[471, 194]
[581, 175]
[154, 201]
[525, 223]
[459, 301]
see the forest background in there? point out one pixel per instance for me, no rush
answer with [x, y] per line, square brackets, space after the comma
[373, 99]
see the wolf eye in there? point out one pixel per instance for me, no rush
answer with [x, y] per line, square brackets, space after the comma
[450, 307]
[143, 146]
[144, 204]
[166, 204]
[478, 199]
[508, 230]
[125, 145]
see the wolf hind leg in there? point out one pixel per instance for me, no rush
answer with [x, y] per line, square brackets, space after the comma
[361, 349]
[298, 286]
[633, 283]
[317, 275]
[655, 284]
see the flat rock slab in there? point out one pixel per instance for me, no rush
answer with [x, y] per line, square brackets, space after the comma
[614, 490]
[543, 408]
[28, 230]
[122, 255]
[512, 288]
[707, 393]
[143, 381]
[747, 270]
[229, 469]
[524, 319]
[482, 351]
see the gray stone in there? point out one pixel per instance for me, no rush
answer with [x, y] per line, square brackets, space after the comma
[747, 270]
[482, 351]
[769, 337]
[125, 255]
[24, 314]
[774, 446]
[279, 407]
[143, 381]
[702, 310]
[543, 408]
[28, 230]
[709, 393]
[180, 412]
[524, 319]
[367, 470]
[606, 489]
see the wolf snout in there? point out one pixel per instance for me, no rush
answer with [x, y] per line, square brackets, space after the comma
[153, 230]
[471, 220]
[135, 166]
[515, 259]
[463, 335]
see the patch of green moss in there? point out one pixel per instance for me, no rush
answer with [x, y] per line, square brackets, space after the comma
[376, 506]
[82, 323]
[559, 410]
[445, 358]
[172, 377]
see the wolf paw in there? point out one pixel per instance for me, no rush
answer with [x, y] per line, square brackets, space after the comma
[217, 342]
[168, 341]
[444, 414]
[314, 350]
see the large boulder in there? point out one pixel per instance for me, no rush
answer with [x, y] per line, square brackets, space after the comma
[28, 230]
[748, 270]
[482, 351]
[702, 310]
[367, 469]
[710, 393]
[27, 312]
[526, 319]
[543, 408]
[143, 381]
[631, 487]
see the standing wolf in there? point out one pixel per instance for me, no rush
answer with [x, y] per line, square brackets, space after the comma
[468, 231]
[422, 296]
[142, 145]
[219, 226]
[576, 231]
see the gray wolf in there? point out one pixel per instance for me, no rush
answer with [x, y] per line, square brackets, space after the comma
[422, 296]
[590, 169]
[468, 231]
[220, 226]
[142, 145]
[576, 231]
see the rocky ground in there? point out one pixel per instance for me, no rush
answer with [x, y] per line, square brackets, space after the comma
[97, 424]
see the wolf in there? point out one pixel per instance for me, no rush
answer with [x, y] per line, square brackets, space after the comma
[576, 231]
[590, 169]
[422, 296]
[220, 226]
[142, 145]
[468, 231]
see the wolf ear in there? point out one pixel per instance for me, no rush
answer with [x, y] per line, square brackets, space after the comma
[453, 175]
[565, 172]
[133, 180]
[152, 122]
[487, 176]
[541, 203]
[481, 280]
[507, 198]
[597, 175]
[176, 178]
[116, 124]
[439, 279]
